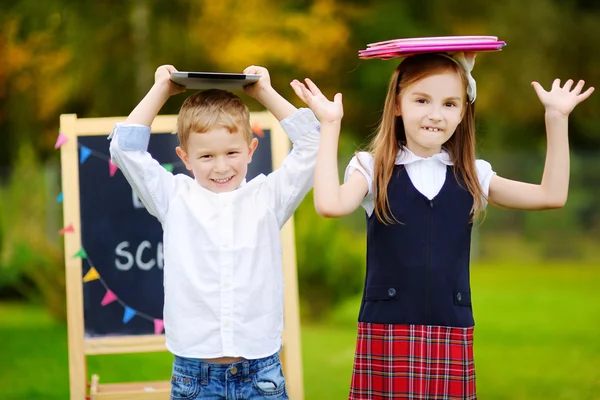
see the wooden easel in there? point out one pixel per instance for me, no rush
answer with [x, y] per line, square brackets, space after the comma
[80, 347]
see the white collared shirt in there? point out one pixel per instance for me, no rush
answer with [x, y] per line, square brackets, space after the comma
[426, 174]
[223, 274]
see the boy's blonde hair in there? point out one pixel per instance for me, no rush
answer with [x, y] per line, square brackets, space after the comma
[209, 109]
[390, 135]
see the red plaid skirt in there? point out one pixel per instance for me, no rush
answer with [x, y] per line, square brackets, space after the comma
[413, 362]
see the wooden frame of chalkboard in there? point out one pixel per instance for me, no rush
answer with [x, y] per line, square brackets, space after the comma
[81, 343]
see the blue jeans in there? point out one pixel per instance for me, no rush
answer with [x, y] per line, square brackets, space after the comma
[244, 380]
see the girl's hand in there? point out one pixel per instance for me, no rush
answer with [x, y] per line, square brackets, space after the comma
[562, 100]
[162, 80]
[264, 82]
[325, 110]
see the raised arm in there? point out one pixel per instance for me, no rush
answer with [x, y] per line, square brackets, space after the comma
[128, 148]
[552, 191]
[163, 88]
[331, 199]
[262, 91]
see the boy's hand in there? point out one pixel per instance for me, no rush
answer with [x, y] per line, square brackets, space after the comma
[163, 81]
[562, 100]
[264, 83]
[325, 110]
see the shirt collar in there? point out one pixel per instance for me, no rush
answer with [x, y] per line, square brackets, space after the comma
[405, 157]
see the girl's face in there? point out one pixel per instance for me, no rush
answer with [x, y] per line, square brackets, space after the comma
[431, 109]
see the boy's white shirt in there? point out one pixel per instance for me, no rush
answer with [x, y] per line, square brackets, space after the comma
[223, 274]
[426, 174]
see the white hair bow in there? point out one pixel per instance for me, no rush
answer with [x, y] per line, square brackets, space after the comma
[467, 61]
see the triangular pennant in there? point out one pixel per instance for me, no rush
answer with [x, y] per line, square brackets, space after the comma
[129, 313]
[159, 325]
[62, 139]
[81, 253]
[91, 275]
[84, 154]
[67, 229]
[109, 297]
[59, 198]
[258, 130]
[168, 167]
[112, 168]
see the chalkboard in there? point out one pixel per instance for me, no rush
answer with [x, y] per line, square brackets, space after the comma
[113, 261]
[123, 242]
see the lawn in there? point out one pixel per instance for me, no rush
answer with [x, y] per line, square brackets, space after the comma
[537, 337]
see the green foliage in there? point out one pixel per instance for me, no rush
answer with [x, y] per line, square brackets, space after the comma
[29, 255]
[331, 260]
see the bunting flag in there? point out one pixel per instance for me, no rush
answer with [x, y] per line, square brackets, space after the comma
[84, 154]
[169, 167]
[109, 297]
[62, 139]
[59, 198]
[91, 275]
[112, 168]
[258, 130]
[67, 229]
[159, 325]
[81, 253]
[128, 314]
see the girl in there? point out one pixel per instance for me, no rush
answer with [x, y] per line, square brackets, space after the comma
[422, 188]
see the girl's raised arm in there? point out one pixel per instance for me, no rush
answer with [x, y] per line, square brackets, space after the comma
[331, 199]
[552, 191]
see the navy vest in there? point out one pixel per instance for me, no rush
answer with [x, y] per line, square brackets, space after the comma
[418, 269]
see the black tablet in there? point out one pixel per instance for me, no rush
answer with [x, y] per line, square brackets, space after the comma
[213, 80]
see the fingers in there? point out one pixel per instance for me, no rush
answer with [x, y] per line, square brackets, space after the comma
[300, 90]
[569, 85]
[337, 98]
[313, 88]
[585, 94]
[538, 89]
[556, 84]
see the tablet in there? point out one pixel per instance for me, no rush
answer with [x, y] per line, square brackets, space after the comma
[213, 80]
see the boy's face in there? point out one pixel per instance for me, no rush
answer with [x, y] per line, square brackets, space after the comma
[431, 109]
[218, 159]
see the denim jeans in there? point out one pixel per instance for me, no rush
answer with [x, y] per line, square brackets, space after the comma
[243, 380]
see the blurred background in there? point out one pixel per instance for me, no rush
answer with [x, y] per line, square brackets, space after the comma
[535, 275]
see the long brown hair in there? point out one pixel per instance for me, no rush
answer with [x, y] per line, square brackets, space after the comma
[390, 134]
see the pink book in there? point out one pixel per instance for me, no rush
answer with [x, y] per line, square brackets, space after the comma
[406, 47]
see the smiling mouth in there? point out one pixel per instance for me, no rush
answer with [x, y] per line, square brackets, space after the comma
[430, 129]
[222, 181]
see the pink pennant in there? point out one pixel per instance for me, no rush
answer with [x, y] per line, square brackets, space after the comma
[159, 324]
[67, 229]
[62, 139]
[112, 167]
[109, 297]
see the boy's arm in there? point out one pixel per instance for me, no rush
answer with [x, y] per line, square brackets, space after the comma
[149, 180]
[262, 91]
[553, 190]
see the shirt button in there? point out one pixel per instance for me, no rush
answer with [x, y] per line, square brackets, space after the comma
[458, 296]
[233, 370]
[391, 292]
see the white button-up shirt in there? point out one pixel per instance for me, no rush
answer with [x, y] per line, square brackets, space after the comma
[223, 274]
[426, 174]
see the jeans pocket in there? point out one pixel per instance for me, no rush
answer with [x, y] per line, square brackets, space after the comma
[269, 381]
[184, 387]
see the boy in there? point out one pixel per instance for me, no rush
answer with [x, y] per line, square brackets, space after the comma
[223, 275]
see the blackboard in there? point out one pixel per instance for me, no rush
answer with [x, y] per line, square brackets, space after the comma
[100, 214]
[123, 242]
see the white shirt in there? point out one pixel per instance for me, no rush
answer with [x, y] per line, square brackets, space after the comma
[223, 274]
[426, 174]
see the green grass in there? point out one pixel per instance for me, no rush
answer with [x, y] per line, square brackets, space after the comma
[537, 337]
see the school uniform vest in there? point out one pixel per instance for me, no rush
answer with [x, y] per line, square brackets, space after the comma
[418, 269]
